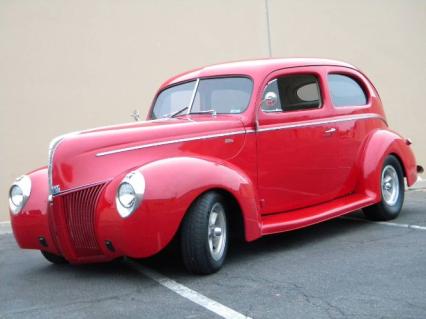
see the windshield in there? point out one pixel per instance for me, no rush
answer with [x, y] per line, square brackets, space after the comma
[230, 95]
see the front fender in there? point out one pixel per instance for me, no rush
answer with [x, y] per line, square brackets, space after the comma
[379, 145]
[32, 222]
[172, 185]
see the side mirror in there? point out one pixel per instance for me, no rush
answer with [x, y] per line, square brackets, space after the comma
[270, 102]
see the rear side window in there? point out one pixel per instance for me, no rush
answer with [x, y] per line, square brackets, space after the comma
[345, 91]
[292, 93]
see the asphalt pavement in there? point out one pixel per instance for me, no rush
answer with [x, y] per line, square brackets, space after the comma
[344, 268]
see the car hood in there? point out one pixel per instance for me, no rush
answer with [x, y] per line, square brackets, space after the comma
[98, 155]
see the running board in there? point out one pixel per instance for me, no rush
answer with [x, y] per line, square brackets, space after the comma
[277, 223]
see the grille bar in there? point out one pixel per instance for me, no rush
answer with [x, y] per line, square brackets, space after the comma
[79, 211]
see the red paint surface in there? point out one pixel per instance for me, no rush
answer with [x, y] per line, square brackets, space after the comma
[282, 179]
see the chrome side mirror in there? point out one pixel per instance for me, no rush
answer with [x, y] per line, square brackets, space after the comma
[270, 102]
[135, 115]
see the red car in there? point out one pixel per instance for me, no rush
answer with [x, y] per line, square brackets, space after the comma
[254, 147]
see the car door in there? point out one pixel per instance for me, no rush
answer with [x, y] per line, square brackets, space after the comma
[298, 146]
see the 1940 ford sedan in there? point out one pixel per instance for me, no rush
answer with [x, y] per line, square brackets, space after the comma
[254, 147]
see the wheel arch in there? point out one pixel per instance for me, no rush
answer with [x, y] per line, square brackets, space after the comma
[234, 210]
[171, 187]
[378, 146]
[404, 171]
[179, 193]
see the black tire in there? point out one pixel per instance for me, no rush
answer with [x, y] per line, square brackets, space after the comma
[388, 209]
[54, 259]
[198, 234]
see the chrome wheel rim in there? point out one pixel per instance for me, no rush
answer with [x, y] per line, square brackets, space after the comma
[217, 231]
[390, 185]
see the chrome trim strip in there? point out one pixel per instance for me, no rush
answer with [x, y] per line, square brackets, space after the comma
[78, 188]
[299, 125]
[138, 147]
[260, 130]
[52, 148]
[193, 96]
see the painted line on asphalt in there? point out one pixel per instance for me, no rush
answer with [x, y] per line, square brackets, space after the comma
[385, 223]
[192, 295]
[5, 228]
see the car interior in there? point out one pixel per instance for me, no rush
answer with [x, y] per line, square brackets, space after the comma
[299, 92]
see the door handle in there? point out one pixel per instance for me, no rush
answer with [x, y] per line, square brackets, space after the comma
[330, 131]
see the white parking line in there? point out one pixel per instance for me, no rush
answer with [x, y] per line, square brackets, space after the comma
[192, 295]
[5, 228]
[385, 223]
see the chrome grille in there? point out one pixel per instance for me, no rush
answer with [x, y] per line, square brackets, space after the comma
[79, 209]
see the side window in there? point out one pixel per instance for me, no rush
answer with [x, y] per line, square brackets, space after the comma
[345, 91]
[292, 93]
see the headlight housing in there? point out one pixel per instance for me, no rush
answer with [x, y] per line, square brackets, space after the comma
[130, 193]
[19, 193]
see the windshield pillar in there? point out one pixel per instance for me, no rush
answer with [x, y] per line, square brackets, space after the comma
[194, 93]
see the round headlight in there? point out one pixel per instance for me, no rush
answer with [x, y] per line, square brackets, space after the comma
[16, 195]
[130, 193]
[19, 193]
[126, 195]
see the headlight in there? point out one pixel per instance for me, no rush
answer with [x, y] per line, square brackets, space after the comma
[130, 193]
[16, 196]
[126, 195]
[19, 193]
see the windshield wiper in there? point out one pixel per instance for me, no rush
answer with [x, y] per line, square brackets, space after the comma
[212, 112]
[178, 112]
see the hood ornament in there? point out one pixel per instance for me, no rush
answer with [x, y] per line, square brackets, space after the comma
[135, 115]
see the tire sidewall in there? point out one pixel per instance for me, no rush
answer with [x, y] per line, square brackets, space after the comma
[393, 210]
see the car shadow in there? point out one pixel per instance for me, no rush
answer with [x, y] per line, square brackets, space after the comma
[97, 270]
[169, 260]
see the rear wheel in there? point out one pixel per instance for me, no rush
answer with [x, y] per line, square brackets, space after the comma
[204, 234]
[392, 192]
[54, 259]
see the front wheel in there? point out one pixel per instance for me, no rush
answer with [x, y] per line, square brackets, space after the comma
[392, 192]
[204, 234]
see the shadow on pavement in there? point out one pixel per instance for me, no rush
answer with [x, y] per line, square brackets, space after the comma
[242, 252]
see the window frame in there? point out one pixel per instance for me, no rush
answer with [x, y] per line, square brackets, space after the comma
[357, 80]
[221, 76]
[321, 92]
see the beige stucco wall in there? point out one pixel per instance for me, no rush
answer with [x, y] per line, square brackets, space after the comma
[71, 65]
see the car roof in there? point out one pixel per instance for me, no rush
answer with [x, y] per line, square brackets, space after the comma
[251, 67]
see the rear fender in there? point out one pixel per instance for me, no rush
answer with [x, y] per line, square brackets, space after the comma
[379, 145]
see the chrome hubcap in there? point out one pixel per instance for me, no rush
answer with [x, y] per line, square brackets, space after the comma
[390, 185]
[217, 231]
